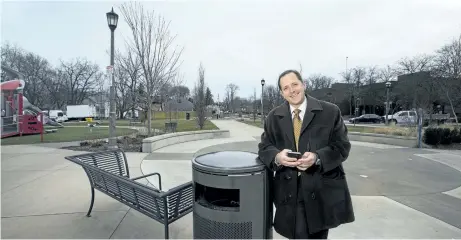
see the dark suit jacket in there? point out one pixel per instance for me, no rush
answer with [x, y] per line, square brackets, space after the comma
[325, 190]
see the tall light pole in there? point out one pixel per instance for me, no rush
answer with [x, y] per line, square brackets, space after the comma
[356, 109]
[112, 19]
[388, 85]
[262, 100]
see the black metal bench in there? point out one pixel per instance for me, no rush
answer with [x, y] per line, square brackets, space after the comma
[108, 172]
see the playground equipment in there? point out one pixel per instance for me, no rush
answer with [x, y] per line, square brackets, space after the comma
[19, 116]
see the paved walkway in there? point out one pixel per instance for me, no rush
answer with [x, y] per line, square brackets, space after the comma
[45, 196]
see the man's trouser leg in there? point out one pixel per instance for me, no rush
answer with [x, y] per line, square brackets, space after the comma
[301, 229]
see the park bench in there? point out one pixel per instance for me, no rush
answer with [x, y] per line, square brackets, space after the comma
[108, 172]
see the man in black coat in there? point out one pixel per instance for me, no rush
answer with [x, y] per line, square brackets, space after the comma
[310, 194]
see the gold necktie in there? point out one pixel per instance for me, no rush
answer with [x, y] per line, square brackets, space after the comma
[297, 126]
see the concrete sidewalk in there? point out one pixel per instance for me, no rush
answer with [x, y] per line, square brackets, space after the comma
[45, 196]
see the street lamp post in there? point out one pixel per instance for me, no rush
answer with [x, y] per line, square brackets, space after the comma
[262, 101]
[357, 101]
[112, 19]
[388, 85]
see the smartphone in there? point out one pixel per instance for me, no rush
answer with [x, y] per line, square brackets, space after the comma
[296, 155]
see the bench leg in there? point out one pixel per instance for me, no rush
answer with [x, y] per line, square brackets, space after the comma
[92, 202]
[167, 233]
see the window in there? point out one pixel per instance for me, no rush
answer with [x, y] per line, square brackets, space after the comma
[404, 114]
[412, 114]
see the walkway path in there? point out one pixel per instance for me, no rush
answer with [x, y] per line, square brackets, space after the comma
[45, 196]
[388, 183]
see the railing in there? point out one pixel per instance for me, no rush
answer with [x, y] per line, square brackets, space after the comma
[9, 125]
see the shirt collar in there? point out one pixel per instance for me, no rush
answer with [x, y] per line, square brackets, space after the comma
[302, 107]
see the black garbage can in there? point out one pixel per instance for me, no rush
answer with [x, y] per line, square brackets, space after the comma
[170, 127]
[231, 196]
[187, 116]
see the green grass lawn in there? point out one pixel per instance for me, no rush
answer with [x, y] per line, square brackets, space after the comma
[66, 135]
[183, 125]
[391, 130]
[103, 123]
[79, 132]
[256, 123]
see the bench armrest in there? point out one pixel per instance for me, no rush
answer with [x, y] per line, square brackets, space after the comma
[151, 174]
[179, 201]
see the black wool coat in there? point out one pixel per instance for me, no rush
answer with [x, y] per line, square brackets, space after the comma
[326, 194]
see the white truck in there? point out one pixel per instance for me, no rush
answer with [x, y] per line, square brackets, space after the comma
[410, 117]
[57, 116]
[80, 112]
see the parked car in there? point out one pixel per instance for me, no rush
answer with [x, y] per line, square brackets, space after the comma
[367, 118]
[410, 117]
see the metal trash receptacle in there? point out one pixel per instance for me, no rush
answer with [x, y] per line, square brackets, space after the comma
[231, 196]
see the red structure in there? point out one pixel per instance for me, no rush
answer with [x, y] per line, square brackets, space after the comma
[15, 120]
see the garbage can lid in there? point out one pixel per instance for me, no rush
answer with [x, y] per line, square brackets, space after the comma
[233, 162]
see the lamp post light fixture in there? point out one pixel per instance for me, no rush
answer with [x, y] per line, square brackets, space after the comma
[112, 20]
[262, 100]
[388, 85]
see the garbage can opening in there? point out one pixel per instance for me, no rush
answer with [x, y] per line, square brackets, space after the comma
[217, 198]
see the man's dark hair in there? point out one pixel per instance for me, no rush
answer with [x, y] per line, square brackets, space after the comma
[298, 75]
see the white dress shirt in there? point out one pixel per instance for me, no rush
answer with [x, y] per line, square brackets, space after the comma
[302, 107]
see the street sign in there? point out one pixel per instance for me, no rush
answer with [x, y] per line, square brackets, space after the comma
[109, 69]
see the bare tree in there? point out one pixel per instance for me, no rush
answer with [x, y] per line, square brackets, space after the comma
[153, 43]
[33, 67]
[387, 73]
[447, 70]
[318, 81]
[424, 90]
[415, 64]
[347, 78]
[129, 66]
[122, 91]
[80, 77]
[57, 89]
[371, 75]
[273, 97]
[358, 77]
[231, 90]
[200, 100]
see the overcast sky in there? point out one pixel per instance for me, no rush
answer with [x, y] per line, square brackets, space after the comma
[244, 41]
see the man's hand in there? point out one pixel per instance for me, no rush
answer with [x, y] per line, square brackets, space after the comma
[306, 161]
[283, 159]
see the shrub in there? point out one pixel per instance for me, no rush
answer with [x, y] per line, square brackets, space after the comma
[431, 136]
[97, 144]
[456, 135]
[445, 136]
[442, 135]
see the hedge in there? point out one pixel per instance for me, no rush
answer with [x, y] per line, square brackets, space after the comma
[442, 136]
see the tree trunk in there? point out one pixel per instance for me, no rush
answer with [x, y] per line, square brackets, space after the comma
[452, 108]
[149, 114]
